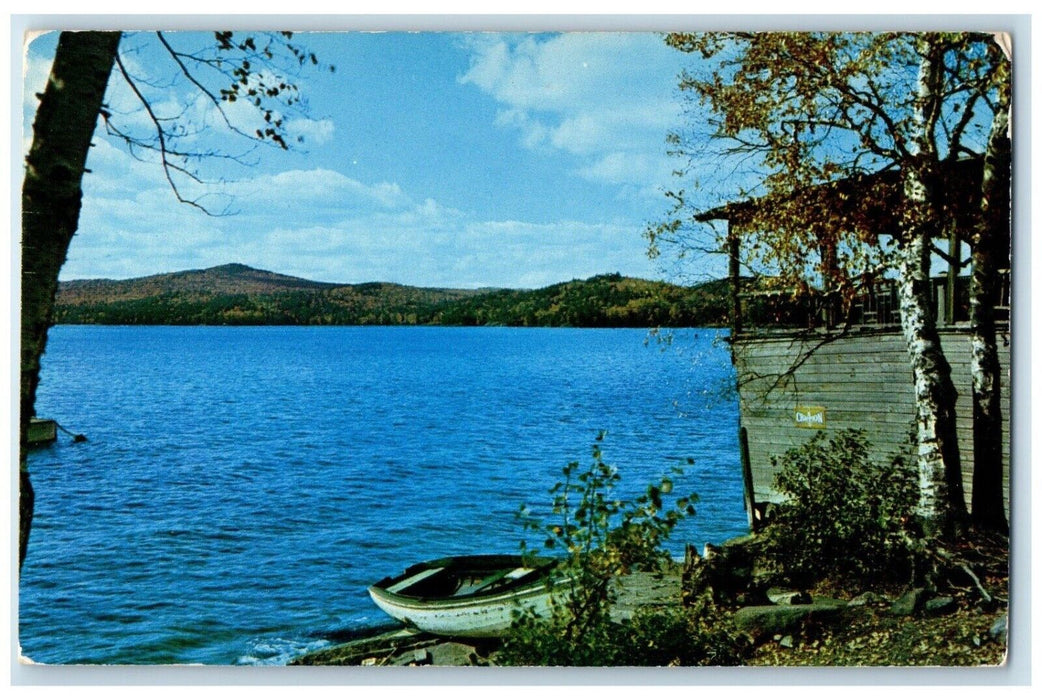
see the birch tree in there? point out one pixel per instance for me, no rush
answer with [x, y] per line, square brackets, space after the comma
[254, 71]
[798, 117]
[990, 251]
[942, 504]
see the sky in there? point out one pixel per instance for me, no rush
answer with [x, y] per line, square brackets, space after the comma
[430, 158]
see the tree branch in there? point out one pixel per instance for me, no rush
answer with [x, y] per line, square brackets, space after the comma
[168, 167]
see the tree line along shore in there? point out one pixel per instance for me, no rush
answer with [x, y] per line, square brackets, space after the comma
[239, 295]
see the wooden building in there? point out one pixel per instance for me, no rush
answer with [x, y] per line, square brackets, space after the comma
[861, 379]
[823, 375]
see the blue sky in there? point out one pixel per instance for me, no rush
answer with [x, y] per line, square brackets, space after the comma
[431, 159]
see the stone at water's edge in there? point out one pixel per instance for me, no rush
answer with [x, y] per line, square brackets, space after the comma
[455, 654]
[376, 648]
[413, 657]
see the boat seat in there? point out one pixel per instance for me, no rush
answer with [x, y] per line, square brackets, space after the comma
[495, 578]
[405, 583]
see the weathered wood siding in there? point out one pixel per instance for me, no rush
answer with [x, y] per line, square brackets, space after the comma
[862, 380]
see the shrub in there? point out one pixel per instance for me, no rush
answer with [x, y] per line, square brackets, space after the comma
[682, 636]
[655, 636]
[846, 515]
[601, 536]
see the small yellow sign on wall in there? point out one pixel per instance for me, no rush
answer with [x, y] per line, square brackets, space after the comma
[810, 417]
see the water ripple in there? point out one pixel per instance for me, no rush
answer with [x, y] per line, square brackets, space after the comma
[242, 486]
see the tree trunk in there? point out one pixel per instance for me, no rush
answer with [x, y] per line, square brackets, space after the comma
[51, 198]
[942, 505]
[988, 507]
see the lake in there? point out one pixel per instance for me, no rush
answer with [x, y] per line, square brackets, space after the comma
[241, 487]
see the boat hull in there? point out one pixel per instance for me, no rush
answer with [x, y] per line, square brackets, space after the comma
[42, 431]
[480, 613]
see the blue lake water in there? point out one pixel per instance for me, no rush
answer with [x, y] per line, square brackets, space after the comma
[240, 487]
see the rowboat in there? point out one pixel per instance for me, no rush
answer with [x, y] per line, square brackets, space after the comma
[470, 596]
[42, 431]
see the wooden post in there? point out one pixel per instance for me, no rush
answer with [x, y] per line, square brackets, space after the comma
[830, 273]
[747, 478]
[950, 295]
[734, 272]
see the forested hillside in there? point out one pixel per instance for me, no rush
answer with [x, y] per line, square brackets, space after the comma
[240, 295]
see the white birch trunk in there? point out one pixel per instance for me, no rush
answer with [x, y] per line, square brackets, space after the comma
[942, 507]
[941, 498]
[988, 502]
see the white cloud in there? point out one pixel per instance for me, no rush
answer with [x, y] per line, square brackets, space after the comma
[619, 168]
[34, 79]
[554, 73]
[132, 224]
[315, 132]
[322, 225]
[323, 188]
[201, 125]
[577, 95]
[533, 132]
[595, 96]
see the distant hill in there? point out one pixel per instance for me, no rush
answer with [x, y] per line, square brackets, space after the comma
[602, 301]
[224, 279]
[240, 295]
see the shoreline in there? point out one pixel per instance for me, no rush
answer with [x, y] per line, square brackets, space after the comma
[895, 627]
